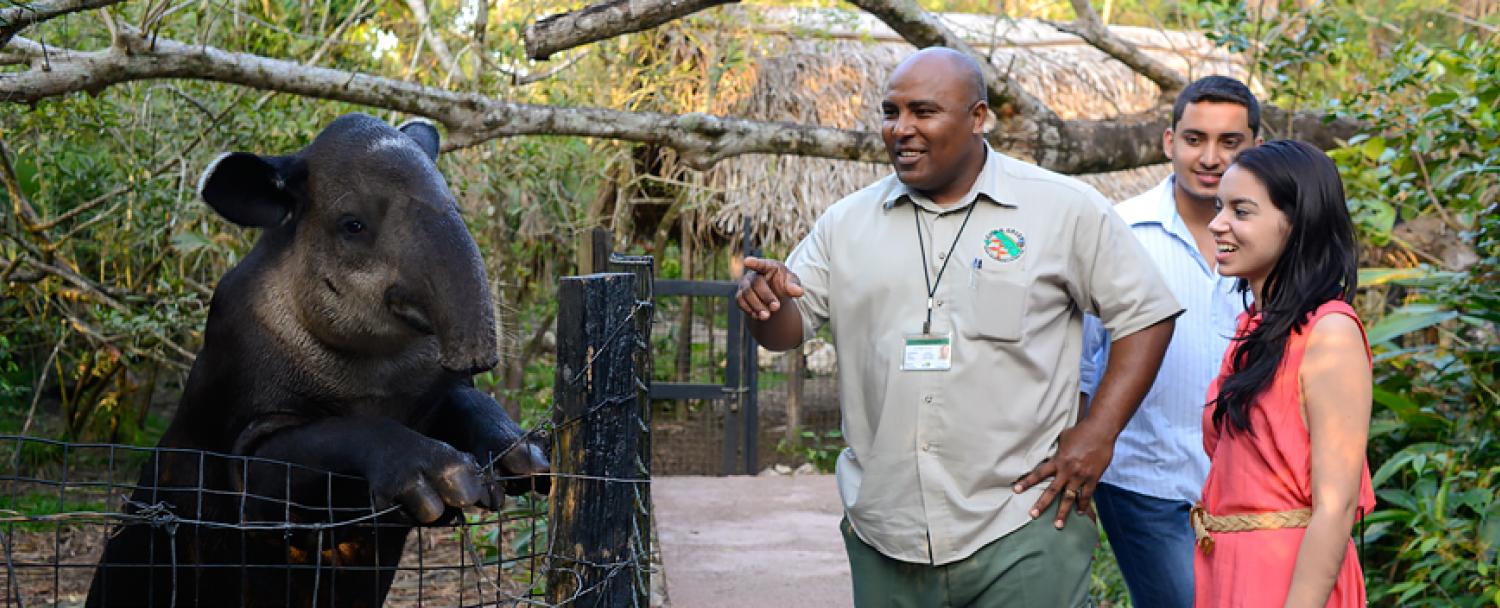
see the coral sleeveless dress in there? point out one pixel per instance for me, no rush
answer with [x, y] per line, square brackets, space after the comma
[1268, 471]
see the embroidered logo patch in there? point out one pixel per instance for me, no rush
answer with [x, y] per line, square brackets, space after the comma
[1005, 244]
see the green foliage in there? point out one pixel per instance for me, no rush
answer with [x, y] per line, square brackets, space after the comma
[1106, 583]
[1431, 141]
[1435, 535]
[13, 387]
[41, 504]
[820, 450]
[1310, 46]
[534, 395]
[1431, 149]
[520, 536]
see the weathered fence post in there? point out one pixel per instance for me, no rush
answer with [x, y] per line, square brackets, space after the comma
[796, 367]
[598, 554]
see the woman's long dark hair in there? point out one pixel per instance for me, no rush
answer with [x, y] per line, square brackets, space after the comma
[1318, 264]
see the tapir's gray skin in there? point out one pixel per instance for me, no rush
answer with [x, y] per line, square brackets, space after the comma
[344, 341]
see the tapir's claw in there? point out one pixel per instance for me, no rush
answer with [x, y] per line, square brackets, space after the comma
[444, 479]
[527, 470]
[421, 501]
[459, 484]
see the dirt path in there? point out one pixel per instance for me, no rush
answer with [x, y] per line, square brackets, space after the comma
[751, 542]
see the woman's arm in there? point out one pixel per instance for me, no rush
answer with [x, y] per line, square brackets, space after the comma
[1335, 378]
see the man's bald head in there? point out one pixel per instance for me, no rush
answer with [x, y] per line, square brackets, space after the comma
[950, 63]
[933, 123]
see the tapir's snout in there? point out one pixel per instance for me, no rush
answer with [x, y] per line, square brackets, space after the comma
[442, 289]
[402, 303]
[472, 366]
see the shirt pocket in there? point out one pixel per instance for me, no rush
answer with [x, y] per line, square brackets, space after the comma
[994, 309]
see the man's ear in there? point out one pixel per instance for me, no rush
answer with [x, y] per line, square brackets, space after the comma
[424, 133]
[1166, 142]
[252, 190]
[979, 112]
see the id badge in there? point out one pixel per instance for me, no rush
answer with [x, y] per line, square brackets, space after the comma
[927, 353]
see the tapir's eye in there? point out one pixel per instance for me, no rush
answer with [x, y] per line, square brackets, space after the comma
[353, 226]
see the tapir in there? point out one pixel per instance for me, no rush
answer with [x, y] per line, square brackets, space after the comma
[344, 342]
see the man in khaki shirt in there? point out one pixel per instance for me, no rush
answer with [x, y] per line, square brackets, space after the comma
[955, 290]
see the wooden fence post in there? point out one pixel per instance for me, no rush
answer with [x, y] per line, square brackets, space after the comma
[593, 251]
[643, 267]
[598, 547]
[796, 367]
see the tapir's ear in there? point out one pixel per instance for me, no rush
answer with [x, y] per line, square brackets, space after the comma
[252, 190]
[424, 133]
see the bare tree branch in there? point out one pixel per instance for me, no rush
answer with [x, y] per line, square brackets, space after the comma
[1027, 125]
[923, 29]
[518, 77]
[434, 38]
[1092, 30]
[471, 119]
[919, 27]
[605, 20]
[24, 15]
[700, 139]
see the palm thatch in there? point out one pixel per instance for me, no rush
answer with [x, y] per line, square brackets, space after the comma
[829, 69]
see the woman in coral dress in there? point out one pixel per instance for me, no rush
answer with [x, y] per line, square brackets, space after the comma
[1288, 416]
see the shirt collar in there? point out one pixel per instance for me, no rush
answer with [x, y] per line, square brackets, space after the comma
[990, 184]
[1164, 212]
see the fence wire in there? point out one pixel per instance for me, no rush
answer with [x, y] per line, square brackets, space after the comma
[62, 503]
[688, 436]
[57, 518]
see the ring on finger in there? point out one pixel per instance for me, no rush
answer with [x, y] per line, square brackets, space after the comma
[1070, 493]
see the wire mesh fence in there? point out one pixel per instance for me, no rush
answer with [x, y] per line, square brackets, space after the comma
[112, 525]
[800, 413]
[76, 520]
[689, 435]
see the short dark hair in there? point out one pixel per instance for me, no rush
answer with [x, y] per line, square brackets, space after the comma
[1221, 89]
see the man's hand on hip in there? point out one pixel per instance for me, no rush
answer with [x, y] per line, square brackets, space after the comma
[763, 286]
[1083, 452]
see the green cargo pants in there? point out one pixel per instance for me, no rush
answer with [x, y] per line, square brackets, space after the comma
[1036, 566]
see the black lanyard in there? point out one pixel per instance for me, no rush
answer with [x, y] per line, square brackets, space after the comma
[933, 285]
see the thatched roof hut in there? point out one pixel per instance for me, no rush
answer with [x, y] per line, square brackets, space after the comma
[829, 68]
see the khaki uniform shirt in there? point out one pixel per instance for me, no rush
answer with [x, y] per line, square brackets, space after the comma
[933, 454]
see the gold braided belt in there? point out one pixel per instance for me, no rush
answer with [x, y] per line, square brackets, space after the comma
[1203, 523]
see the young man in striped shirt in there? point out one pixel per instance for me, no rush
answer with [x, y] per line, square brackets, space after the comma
[1159, 464]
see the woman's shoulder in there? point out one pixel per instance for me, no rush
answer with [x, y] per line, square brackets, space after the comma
[1335, 326]
[1337, 313]
[1335, 306]
[1335, 329]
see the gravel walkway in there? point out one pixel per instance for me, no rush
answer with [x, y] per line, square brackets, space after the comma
[751, 542]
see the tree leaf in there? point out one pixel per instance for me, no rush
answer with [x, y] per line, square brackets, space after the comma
[1407, 319]
[1403, 276]
[187, 242]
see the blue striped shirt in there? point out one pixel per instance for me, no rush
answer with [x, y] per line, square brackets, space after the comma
[1160, 452]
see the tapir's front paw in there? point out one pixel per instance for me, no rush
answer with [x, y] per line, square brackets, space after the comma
[519, 467]
[428, 482]
[527, 469]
